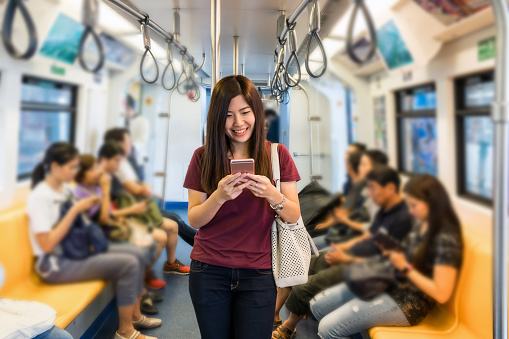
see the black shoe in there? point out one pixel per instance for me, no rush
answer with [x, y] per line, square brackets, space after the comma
[147, 307]
[154, 297]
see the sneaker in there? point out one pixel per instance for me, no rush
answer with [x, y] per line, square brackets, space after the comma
[154, 297]
[176, 268]
[152, 282]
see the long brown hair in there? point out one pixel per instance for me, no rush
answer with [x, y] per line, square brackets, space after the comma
[441, 214]
[214, 161]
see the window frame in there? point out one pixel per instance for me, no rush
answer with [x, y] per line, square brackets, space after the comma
[70, 109]
[460, 113]
[402, 114]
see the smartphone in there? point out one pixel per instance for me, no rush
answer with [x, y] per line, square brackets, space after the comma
[242, 166]
[388, 242]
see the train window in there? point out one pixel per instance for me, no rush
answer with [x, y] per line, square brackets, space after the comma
[474, 131]
[47, 116]
[417, 131]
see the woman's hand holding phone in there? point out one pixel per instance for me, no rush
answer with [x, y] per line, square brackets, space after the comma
[262, 187]
[85, 204]
[227, 188]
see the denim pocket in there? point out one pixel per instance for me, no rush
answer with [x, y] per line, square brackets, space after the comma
[198, 266]
[265, 271]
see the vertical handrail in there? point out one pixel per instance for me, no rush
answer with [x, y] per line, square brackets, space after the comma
[235, 55]
[215, 33]
[311, 155]
[501, 174]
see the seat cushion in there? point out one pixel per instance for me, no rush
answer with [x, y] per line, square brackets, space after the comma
[68, 300]
[416, 332]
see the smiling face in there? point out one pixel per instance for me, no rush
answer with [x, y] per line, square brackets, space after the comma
[240, 120]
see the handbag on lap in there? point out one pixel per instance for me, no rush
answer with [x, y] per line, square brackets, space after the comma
[84, 238]
[369, 278]
[291, 243]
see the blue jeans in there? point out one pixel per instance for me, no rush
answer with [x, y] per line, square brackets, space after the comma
[232, 302]
[341, 314]
[54, 333]
[320, 242]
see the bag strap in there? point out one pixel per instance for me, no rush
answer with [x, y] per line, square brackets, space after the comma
[276, 171]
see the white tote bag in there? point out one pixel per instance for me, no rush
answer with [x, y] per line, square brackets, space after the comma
[24, 319]
[291, 250]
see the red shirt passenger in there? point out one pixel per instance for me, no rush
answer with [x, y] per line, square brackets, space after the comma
[231, 282]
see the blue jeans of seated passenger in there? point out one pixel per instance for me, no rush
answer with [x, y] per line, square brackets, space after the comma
[232, 303]
[320, 242]
[54, 333]
[341, 314]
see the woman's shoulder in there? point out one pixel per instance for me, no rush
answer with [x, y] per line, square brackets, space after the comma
[200, 150]
[40, 195]
[280, 147]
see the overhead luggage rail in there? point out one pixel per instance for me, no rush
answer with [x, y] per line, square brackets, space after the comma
[154, 26]
[282, 81]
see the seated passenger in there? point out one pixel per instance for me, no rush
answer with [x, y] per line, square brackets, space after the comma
[326, 270]
[358, 209]
[352, 148]
[431, 265]
[94, 179]
[123, 264]
[129, 181]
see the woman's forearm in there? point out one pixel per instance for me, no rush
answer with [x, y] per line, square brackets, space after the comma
[202, 214]
[291, 211]
[48, 241]
[439, 288]
[353, 225]
[104, 217]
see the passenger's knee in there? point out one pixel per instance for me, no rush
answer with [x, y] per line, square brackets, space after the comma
[169, 226]
[130, 265]
[159, 236]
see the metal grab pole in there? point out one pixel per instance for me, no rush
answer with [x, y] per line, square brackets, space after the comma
[235, 55]
[311, 155]
[215, 31]
[154, 26]
[501, 173]
[166, 146]
[293, 19]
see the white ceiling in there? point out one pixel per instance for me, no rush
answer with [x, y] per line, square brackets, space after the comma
[254, 21]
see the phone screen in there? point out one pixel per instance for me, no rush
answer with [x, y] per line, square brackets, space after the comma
[242, 166]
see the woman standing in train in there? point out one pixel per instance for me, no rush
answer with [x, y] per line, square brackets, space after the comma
[231, 282]
[124, 264]
[431, 264]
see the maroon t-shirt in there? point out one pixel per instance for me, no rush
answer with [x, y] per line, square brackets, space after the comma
[239, 234]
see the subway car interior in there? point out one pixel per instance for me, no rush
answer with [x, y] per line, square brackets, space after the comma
[392, 112]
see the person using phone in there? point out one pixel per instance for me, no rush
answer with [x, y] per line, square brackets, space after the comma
[123, 264]
[231, 283]
[327, 270]
[431, 263]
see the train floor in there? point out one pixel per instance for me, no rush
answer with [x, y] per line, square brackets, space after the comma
[176, 311]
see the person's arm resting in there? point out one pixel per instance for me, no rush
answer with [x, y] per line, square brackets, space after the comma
[136, 188]
[47, 241]
[441, 286]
